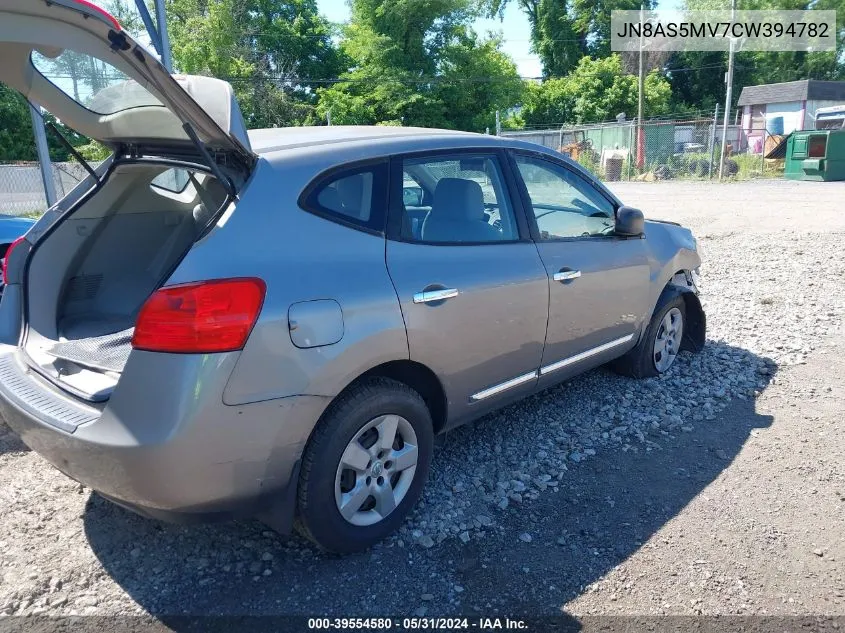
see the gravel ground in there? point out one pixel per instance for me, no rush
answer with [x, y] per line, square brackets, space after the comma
[718, 488]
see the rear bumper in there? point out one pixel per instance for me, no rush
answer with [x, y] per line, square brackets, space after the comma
[166, 446]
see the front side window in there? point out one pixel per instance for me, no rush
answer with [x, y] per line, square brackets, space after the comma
[564, 204]
[354, 196]
[458, 199]
[92, 83]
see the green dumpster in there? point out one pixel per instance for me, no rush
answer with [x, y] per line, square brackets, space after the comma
[816, 155]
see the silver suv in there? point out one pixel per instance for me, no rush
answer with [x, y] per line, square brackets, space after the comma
[276, 324]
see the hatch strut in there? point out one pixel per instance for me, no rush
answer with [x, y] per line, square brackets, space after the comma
[73, 151]
[70, 148]
[212, 165]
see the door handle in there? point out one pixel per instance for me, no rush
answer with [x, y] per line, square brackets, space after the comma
[566, 275]
[428, 296]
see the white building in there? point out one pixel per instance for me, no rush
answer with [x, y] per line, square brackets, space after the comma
[785, 107]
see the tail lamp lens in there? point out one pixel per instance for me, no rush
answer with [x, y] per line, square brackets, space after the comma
[9, 250]
[201, 317]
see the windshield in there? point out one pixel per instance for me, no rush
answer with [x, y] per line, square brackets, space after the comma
[831, 123]
[91, 82]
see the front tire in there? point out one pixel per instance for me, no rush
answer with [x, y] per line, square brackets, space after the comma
[659, 347]
[365, 465]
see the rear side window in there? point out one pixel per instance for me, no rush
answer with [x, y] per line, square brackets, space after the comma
[354, 196]
[455, 199]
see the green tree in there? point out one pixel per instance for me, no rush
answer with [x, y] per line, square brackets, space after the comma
[592, 21]
[697, 77]
[417, 62]
[555, 38]
[16, 141]
[548, 103]
[382, 84]
[597, 90]
[126, 14]
[274, 52]
[477, 80]
[563, 31]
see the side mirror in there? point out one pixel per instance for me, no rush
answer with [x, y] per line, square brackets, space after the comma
[630, 222]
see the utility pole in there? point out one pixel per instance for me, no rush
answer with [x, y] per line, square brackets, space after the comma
[498, 124]
[713, 143]
[641, 99]
[728, 94]
[158, 31]
[43, 155]
[164, 38]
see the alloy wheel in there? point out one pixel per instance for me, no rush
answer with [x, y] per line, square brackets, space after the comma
[667, 342]
[376, 470]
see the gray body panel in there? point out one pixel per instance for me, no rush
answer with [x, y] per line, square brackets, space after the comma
[606, 304]
[490, 333]
[181, 451]
[301, 257]
[225, 432]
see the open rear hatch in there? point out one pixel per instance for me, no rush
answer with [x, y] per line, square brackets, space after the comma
[73, 59]
[89, 276]
[181, 155]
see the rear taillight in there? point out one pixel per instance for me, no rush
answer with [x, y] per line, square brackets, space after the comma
[6, 259]
[201, 317]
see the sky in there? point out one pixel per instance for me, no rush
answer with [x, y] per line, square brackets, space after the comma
[514, 28]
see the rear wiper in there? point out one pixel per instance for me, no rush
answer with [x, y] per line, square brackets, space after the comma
[212, 165]
[73, 151]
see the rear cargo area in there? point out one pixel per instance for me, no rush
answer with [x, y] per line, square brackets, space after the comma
[88, 278]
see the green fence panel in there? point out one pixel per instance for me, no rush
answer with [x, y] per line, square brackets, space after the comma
[659, 143]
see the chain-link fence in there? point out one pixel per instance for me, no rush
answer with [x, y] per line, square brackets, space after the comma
[22, 186]
[620, 150]
[664, 149]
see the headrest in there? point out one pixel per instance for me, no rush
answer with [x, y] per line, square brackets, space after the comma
[458, 199]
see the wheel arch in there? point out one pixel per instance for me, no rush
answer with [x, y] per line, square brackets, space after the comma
[695, 330]
[418, 377]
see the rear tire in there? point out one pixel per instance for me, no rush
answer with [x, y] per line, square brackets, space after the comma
[365, 465]
[643, 361]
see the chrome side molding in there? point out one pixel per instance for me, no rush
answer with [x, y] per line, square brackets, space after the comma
[524, 378]
[508, 384]
[584, 355]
